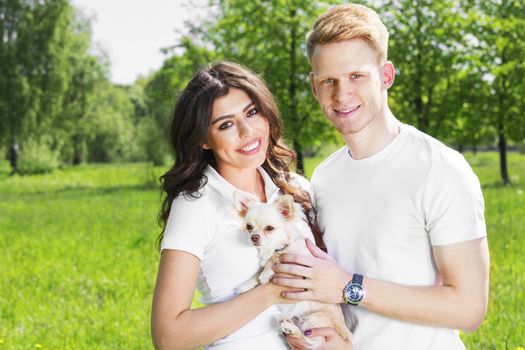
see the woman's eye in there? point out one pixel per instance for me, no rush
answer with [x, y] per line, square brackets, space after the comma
[225, 125]
[252, 111]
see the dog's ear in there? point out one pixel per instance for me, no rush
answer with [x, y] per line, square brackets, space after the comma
[242, 202]
[286, 206]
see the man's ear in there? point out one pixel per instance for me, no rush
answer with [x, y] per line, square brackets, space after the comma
[286, 206]
[242, 202]
[388, 73]
[312, 84]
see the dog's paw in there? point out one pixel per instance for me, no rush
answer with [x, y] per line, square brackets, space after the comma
[266, 277]
[288, 327]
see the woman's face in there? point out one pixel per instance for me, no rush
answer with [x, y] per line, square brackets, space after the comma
[238, 133]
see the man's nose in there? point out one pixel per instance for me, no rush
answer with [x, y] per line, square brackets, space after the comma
[343, 91]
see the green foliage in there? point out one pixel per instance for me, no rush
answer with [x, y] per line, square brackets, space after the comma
[37, 157]
[427, 46]
[152, 142]
[51, 85]
[32, 79]
[161, 92]
[110, 130]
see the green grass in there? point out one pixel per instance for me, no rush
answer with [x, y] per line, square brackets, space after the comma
[78, 257]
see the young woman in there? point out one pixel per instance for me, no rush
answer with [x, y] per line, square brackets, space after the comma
[226, 134]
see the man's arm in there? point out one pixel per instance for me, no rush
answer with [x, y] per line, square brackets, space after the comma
[460, 302]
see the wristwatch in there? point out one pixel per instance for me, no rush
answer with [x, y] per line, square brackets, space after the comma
[354, 292]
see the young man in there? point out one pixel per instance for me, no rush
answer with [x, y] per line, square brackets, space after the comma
[402, 213]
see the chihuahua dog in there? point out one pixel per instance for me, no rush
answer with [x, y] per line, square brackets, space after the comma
[277, 228]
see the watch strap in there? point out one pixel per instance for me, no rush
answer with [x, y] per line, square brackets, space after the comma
[357, 279]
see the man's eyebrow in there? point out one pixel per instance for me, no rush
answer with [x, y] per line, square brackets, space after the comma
[218, 119]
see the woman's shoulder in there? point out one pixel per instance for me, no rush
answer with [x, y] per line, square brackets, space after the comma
[299, 181]
[191, 201]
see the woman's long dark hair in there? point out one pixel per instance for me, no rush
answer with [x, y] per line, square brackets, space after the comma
[189, 126]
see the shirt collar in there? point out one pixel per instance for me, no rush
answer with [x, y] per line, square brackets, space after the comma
[226, 189]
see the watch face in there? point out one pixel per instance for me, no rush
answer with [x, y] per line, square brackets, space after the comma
[354, 293]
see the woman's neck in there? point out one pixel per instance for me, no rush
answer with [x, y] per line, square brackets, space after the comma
[248, 180]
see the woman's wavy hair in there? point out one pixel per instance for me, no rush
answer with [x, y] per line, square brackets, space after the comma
[189, 126]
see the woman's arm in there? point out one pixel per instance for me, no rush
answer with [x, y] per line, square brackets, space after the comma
[459, 303]
[174, 325]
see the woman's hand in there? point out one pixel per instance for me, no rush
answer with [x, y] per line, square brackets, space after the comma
[321, 278]
[275, 293]
[333, 340]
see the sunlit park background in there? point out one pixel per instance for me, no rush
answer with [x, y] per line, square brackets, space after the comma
[80, 156]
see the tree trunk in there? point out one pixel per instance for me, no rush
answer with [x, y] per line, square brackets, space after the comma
[13, 157]
[502, 146]
[77, 152]
[292, 90]
[300, 158]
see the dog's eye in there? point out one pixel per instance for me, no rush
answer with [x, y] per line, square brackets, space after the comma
[268, 228]
[249, 227]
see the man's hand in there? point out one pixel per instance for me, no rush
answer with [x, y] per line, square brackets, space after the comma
[332, 340]
[321, 278]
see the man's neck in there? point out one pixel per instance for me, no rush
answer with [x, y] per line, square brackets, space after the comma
[382, 130]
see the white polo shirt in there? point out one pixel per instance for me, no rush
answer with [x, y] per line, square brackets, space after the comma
[209, 228]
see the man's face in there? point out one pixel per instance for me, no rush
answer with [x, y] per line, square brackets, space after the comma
[349, 84]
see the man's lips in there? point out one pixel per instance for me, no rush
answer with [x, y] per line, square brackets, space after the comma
[251, 148]
[345, 112]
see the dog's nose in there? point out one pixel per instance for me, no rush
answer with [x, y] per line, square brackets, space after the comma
[255, 238]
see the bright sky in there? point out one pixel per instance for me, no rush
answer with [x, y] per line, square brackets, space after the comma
[132, 32]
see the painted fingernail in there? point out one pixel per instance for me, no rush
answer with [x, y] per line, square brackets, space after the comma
[307, 332]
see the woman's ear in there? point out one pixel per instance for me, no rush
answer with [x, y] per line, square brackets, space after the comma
[205, 145]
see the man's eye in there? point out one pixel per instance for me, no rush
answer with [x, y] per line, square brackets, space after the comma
[328, 81]
[225, 125]
[252, 111]
[268, 228]
[355, 76]
[249, 227]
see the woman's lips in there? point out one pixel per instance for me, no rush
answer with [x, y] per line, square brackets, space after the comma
[250, 148]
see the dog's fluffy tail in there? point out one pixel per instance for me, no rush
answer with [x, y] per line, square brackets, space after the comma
[350, 317]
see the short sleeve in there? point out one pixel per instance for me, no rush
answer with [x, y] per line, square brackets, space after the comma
[453, 203]
[187, 228]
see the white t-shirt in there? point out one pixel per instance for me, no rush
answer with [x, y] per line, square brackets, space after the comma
[209, 228]
[383, 214]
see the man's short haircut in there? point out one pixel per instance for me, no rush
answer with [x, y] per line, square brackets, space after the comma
[346, 22]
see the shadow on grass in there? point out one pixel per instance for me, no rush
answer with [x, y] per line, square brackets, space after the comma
[499, 185]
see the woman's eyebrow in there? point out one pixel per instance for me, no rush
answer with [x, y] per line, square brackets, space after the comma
[231, 115]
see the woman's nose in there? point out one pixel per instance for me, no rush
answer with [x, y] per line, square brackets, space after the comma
[245, 129]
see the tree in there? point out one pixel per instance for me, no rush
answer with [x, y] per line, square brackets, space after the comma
[427, 45]
[32, 82]
[499, 31]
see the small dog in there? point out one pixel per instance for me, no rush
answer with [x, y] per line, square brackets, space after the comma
[277, 228]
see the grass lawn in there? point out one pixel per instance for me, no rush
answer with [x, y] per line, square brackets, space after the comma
[78, 257]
